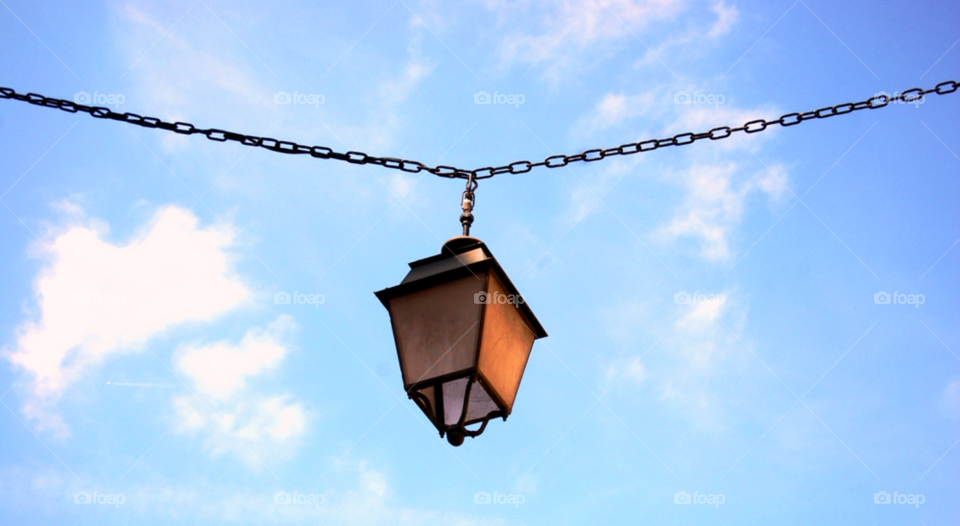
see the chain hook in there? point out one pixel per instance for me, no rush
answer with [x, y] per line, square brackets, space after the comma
[467, 200]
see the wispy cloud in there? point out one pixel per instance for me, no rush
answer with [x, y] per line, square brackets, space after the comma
[714, 204]
[696, 40]
[231, 416]
[220, 369]
[717, 181]
[684, 371]
[695, 355]
[726, 17]
[569, 27]
[188, 69]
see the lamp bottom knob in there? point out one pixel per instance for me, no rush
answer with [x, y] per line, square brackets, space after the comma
[455, 438]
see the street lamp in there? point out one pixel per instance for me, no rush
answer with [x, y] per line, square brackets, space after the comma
[463, 334]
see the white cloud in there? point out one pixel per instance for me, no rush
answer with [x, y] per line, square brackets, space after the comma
[253, 428]
[695, 356]
[718, 183]
[660, 111]
[722, 112]
[693, 41]
[714, 204]
[97, 298]
[574, 30]
[726, 17]
[624, 370]
[234, 418]
[177, 73]
[615, 108]
[717, 188]
[686, 370]
[396, 91]
[773, 182]
[576, 25]
[703, 314]
[220, 369]
[699, 334]
[710, 206]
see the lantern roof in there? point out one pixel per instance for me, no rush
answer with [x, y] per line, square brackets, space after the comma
[460, 256]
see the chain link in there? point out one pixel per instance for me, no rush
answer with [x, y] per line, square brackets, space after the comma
[518, 167]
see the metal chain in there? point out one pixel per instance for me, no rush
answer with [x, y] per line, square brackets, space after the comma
[554, 161]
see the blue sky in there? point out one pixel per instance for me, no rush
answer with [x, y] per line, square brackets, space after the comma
[145, 365]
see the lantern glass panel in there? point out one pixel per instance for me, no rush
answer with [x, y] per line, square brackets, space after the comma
[481, 403]
[437, 328]
[431, 406]
[505, 344]
[453, 400]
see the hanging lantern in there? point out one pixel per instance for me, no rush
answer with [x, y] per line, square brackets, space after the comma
[463, 335]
